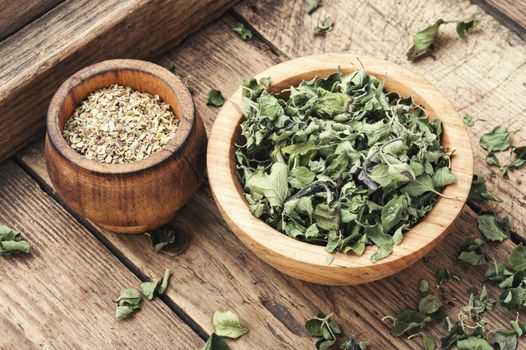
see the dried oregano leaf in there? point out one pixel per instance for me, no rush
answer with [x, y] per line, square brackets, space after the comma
[215, 98]
[11, 241]
[128, 302]
[243, 32]
[215, 342]
[466, 27]
[333, 163]
[324, 26]
[498, 139]
[226, 324]
[423, 40]
[312, 5]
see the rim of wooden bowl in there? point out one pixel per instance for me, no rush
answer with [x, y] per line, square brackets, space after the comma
[183, 108]
[308, 261]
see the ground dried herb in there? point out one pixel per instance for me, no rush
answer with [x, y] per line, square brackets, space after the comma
[120, 125]
[340, 162]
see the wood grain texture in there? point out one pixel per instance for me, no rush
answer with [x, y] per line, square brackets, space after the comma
[484, 77]
[308, 261]
[138, 196]
[510, 13]
[217, 271]
[16, 14]
[60, 295]
[78, 33]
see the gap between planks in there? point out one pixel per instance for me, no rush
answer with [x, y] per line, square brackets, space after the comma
[179, 312]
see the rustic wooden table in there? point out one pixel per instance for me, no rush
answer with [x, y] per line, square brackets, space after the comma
[60, 295]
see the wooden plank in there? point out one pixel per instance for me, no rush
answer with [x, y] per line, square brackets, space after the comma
[483, 77]
[76, 34]
[218, 271]
[16, 14]
[60, 295]
[510, 13]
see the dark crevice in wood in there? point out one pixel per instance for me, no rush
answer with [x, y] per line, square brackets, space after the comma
[272, 48]
[502, 18]
[179, 312]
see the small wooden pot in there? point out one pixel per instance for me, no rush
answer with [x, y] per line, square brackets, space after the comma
[307, 261]
[133, 197]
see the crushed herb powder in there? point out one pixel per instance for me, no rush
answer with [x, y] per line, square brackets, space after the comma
[119, 125]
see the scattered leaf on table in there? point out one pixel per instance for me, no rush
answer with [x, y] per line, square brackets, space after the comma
[226, 324]
[243, 32]
[162, 238]
[423, 40]
[324, 26]
[312, 5]
[490, 228]
[467, 27]
[215, 343]
[215, 98]
[128, 302]
[164, 282]
[498, 139]
[468, 120]
[423, 286]
[11, 241]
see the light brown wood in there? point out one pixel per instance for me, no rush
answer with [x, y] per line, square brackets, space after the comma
[307, 261]
[60, 295]
[38, 58]
[483, 77]
[16, 14]
[511, 13]
[133, 197]
[217, 271]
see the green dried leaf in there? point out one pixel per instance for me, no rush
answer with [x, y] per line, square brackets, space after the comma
[162, 238]
[423, 286]
[468, 120]
[164, 282]
[312, 5]
[243, 32]
[226, 324]
[149, 289]
[498, 139]
[429, 304]
[11, 241]
[215, 98]
[324, 26]
[474, 343]
[215, 342]
[128, 302]
[467, 27]
[490, 228]
[423, 40]
[443, 177]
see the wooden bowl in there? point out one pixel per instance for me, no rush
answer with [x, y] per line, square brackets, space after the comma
[133, 197]
[308, 261]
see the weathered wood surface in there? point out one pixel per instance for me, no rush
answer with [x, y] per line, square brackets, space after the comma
[16, 14]
[218, 271]
[511, 13]
[38, 58]
[60, 295]
[484, 77]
